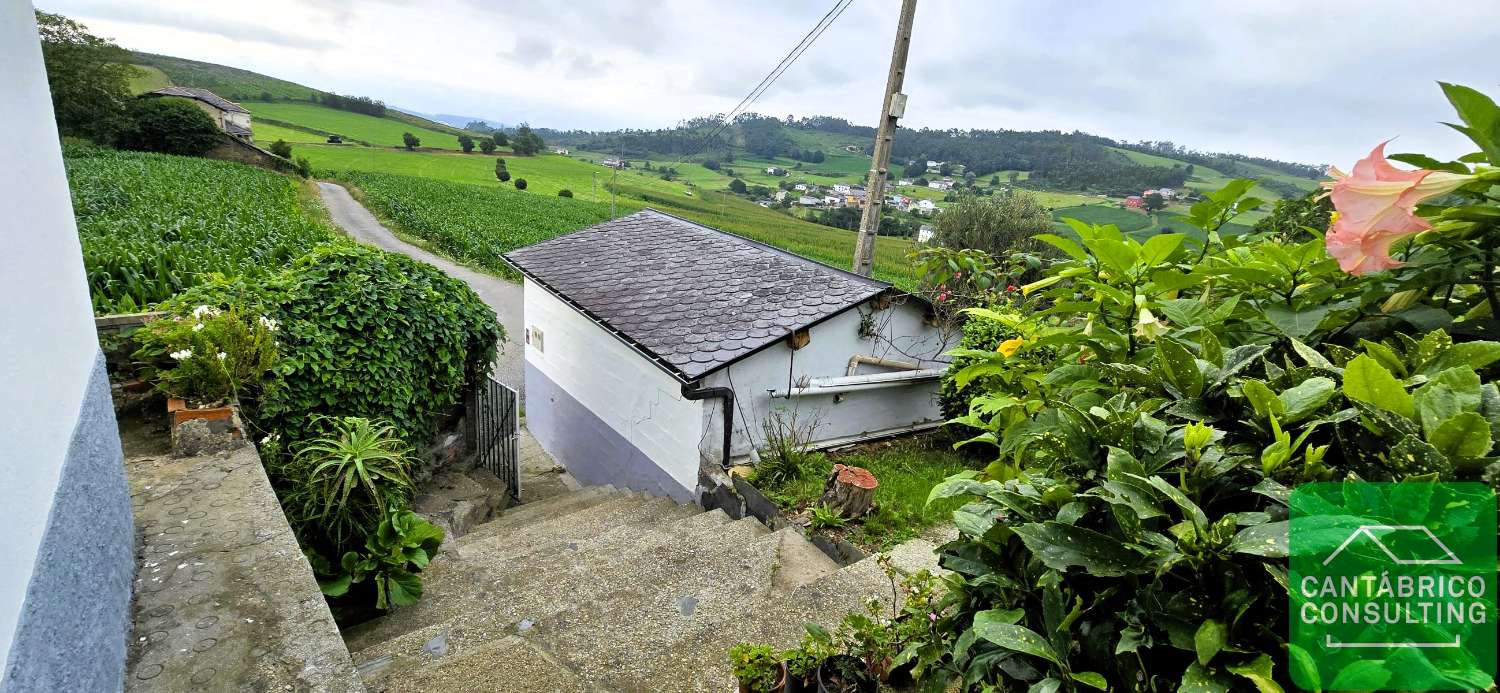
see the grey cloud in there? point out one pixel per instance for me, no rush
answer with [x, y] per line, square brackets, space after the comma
[216, 25]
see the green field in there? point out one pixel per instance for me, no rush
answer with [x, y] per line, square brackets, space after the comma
[379, 132]
[473, 223]
[152, 225]
[266, 133]
[147, 78]
[1206, 179]
[1126, 220]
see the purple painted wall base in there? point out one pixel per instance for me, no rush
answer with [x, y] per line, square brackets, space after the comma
[587, 447]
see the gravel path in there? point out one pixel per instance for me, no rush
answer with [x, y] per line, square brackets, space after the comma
[503, 297]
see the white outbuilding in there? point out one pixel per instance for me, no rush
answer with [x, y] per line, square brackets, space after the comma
[659, 350]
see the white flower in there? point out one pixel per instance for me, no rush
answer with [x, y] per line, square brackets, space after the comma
[182, 355]
[270, 324]
[197, 327]
[201, 311]
[222, 355]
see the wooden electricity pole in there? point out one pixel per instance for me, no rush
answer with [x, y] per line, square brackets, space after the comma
[893, 108]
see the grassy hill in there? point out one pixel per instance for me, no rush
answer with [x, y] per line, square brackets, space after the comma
[148, 78]
[373, 130]
[229, 82]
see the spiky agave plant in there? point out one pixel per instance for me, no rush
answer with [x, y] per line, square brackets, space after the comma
[343, 484]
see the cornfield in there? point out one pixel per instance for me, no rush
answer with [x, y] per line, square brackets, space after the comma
[153, 225]
[473, 223]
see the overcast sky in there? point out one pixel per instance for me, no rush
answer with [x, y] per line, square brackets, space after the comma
[1317, 82]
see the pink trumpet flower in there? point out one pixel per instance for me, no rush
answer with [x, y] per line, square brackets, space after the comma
[1375, 208]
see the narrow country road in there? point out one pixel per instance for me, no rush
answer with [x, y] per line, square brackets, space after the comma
[502, 296]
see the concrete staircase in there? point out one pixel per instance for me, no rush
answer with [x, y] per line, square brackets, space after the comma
[601, 589]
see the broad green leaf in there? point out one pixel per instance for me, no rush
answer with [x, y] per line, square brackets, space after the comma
[1260, 673]
[1427, 162]
[1061, 546]
[1201, 679]
[336, 587]
[1387, 358]
[1068, 247]
[1211, 637]
[1361, 675]
[1303, 669]
[1269, 540]
[1481, 116]
[1158, 248]
[1091, 679]
[1012, 637]
[1446, 394]
[1117, 255]
[1475, 355]
[1179, 366]
[1265, 402]
[1047, 685]
[1297, 323]
[1189, 508]
[1306, 398]
[1365, 380]
[1466, 435]
[1311, 355]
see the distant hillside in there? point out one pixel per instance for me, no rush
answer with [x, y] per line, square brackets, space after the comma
[245, 86]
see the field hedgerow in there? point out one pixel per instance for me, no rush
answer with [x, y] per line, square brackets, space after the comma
[473, 223]
[152, 225]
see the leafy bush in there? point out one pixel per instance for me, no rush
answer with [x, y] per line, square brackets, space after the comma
[821, 516]
[410, 141]
[388, 563]
[785, 456]
[365, 333]
[980, 334]
[281, 148]
[152, 225]
[344, 482]
[520, 183]
[210, 355]
[487, 145]
[169, 126]
[565, 193]
[756, 667]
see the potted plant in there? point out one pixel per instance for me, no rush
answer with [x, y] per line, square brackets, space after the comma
[758, 669]
[802, 661]
[845, 674]
[203, 361]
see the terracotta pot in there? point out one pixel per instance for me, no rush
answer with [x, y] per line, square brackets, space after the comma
[779, 687]
[180, 412]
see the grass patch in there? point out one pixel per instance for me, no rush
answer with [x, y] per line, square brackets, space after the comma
[378, 131]
[907, 469]
[147, 78]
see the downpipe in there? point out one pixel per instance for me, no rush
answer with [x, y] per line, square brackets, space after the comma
[721, 393]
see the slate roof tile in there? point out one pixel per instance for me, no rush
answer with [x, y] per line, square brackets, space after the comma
[693, 296]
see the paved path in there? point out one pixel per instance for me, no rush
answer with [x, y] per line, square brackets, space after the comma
[503, 297]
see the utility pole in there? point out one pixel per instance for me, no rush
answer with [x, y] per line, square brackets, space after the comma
[891, 110]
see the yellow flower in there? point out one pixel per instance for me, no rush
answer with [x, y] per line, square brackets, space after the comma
[1009, 347]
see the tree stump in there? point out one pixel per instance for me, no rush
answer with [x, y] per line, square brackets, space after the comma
[849, 491]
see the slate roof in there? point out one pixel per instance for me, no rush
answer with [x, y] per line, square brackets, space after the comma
[694, 298]
[203, 95]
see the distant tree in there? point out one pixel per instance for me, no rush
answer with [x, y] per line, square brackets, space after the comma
[1293, 218]
[711, 164]
[921, 181]
[487, 145]
[89, 78]
[500, 170]
[969, 177]
[170, 126]
[303, 167]
[994, 180]
[1189, 171]
[479, 126]
[410, 141]
[266, 96]
[565, 193]
[1013, 176]
[520, 183]
[282, 149]
[996, 225]
[819, 157]
[527, 142]
[737, 186]
[1153, 202]
[501, 139]
[466, 143]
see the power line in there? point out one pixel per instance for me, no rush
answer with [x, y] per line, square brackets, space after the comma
[786, 62]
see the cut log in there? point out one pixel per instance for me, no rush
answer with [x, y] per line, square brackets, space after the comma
[849, 491]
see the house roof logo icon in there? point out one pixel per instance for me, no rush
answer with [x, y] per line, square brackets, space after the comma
[1373, 533]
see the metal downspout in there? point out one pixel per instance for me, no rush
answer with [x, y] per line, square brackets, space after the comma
[725, 394]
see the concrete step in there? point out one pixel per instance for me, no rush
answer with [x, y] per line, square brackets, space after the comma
[543, 509]
[699, 661]
[507, 664]
[608, 640]
[521, 598]
[451, 581]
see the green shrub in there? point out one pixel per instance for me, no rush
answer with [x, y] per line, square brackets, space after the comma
[565, 193]
[756, 666]
[520, 183]
[363, 333]
[980, 334]
[169, 126]
[209, 355]
[281, 148]
[388, 563]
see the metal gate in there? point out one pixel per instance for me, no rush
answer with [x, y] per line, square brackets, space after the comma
[493, 423]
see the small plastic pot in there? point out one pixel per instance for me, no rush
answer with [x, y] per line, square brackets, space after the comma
[830, 682]
[779, 687]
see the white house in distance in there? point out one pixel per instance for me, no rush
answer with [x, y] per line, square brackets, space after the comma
[945, 184]
[809, 201]
[657, 349]
[842, 188]
[775, 171]
[926, 207]
[228, 115]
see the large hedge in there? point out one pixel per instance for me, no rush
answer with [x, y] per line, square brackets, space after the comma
[363, 333]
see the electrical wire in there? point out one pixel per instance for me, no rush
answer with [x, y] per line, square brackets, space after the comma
[781, 67]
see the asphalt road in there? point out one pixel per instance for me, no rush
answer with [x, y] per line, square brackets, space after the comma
[503, 297]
